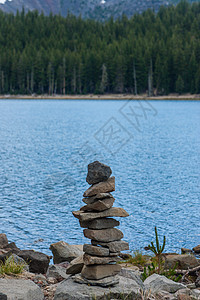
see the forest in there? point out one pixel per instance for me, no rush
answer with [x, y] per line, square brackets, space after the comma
[154, 53]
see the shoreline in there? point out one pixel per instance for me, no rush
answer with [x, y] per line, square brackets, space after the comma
[195, 97]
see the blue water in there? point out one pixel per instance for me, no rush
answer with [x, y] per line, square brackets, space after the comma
[152, 147]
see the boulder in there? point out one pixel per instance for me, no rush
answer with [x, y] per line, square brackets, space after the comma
[101, 187]
[103, 223]
[90, 200]
[111, 212]
[105, 282]
[186, 251]
[98, 172]
[75, 266]
[183, 261]
[70, 290]
[3, 240]
[99, 205]
[157, 283]
[132, 274]
[196, 249]
[38, 262]
[57, 272]
[20, 289]
[103, 235]
[100, 271]
[96, 260]
[19, 260]
[3, 296]
[116, 246]
[64, 252]
[96, 251]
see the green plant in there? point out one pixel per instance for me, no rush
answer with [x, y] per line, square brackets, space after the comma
[138, 259]
[158, 250]
[11, 267]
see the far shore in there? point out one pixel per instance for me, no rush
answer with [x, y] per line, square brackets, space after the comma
[103, 97]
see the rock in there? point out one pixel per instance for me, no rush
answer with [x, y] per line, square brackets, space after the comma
[105, 282]
[19, 260]
[75, 266]
[98, 172]
[99, 196]
[111, 212]
[161, 296]
[183, 261]
[103, 223]
[57, 272]
[37, 261]
[101, 187]
[196, 249]
[99, 205]
[103, 235]
[186, 251]
[40, 280]
[96, 260]
[96, 251]
[135, 275]
[158, 283]
[3, 240]
[100, 271]
[185, 294]
[113, 246]
[64, 252]
[197, 282]
[3, 296]
[71, 290]
[20, 289]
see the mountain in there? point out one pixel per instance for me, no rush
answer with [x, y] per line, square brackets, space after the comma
[95, 9]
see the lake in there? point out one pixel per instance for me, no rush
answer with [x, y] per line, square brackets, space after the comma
[153, 148]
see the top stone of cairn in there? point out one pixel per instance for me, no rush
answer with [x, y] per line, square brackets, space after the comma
[98, 172]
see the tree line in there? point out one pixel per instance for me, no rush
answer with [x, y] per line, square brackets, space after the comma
[154, 52]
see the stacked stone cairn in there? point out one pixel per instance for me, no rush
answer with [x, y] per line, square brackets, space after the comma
[101, 256]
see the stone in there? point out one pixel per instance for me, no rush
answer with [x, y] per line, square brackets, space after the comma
[19, 260]
[197, 282]
[102, 223]
[70, 290]
[96, 251]
[3, 296]
[96, 260]
[113, 246]
[98, 172]
[3, 240]
[75, 266]
[103, 235]
[100, 271]
[57, 272]
[111, 212]
[186, 251]
[99, 205]
[135, 275]
[64, 252]
[101, 187]
[90, 200]
[20, 289]
[105, 282]
[38, 262]
[157, 283]
[183, 261]
[196, 249]
[40, 279]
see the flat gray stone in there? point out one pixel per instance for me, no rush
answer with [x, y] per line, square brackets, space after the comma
[105, 282]
[116, 246]
[64, 252]
[92, 199]
[98, 172]
[56, 272]
[135, 275]
[101, 187]
[99, 205]
[20, 289]
[100, 271]
[70, 290]
[99, 260]
[111, 212]
[103, 223]
[75, 266]
[157, 283]
[96, 251]
[103, 235]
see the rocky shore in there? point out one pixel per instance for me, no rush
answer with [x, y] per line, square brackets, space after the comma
[97, 270]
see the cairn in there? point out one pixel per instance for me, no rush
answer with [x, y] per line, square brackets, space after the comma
[101, 256]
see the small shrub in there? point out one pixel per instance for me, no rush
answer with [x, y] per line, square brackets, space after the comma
[11, 267]
[138, 259]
